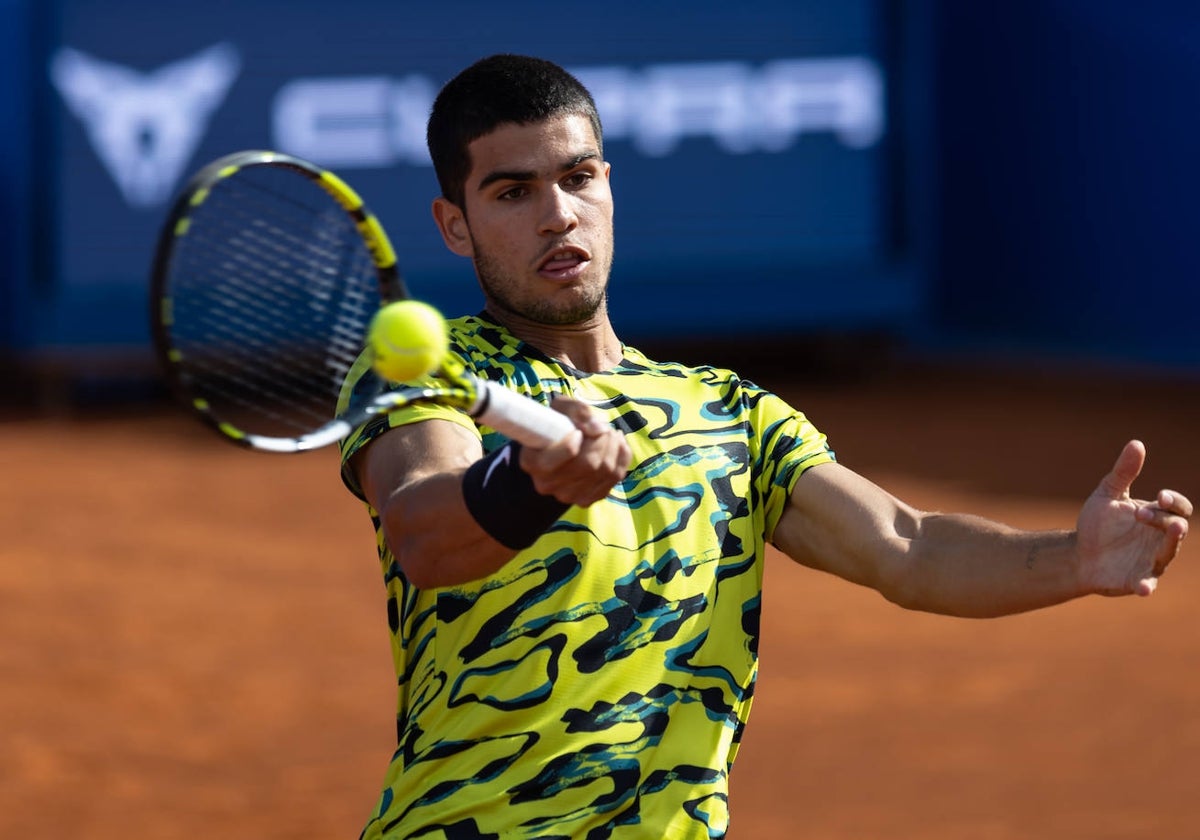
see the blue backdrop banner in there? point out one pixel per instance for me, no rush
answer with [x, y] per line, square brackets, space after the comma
[753, 149]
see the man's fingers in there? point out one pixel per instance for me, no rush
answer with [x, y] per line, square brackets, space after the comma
[583, 467]
[1173, 527]
[587, 419]
[1146, 586]
[534, 461]
[1175, 502]
[1167, 521]
[1127, 468]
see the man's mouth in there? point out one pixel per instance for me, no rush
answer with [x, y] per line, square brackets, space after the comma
[563, 263]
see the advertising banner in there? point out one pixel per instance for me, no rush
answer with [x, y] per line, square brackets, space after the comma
[750, 145]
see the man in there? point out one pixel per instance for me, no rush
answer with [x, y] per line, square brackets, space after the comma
[575, 628]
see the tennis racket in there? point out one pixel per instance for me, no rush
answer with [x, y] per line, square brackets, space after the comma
[267, 273]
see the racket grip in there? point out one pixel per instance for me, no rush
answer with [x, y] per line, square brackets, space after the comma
[517, 416]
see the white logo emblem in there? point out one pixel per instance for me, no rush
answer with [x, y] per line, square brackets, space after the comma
[500, 460]
[145, 127]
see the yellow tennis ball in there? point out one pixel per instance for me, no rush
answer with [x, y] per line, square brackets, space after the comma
[408, 340]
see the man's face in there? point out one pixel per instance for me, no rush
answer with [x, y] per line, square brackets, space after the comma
[538, 221]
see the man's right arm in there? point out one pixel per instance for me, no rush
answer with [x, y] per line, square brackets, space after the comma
[413, 477]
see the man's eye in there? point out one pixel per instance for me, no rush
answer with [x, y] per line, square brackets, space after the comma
[577, 180]
[512, 193]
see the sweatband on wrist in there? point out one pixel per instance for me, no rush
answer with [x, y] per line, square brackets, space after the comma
[502, 499]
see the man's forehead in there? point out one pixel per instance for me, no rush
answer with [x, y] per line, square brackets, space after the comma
[545, 145]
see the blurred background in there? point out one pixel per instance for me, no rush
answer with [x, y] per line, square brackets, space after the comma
[1013, 179]
[960, 236]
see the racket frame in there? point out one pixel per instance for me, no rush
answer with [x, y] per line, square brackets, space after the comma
[510, 413]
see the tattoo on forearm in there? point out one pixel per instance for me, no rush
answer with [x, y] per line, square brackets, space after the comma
[1054, 542]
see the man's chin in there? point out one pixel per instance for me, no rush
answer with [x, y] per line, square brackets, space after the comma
[555, 313]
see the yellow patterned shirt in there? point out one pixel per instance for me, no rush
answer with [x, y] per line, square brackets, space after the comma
[597, 685]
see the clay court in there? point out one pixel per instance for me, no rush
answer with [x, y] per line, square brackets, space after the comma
[195, 641]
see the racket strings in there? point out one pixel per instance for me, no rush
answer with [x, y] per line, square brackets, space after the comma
[273, 290]
[238, 329]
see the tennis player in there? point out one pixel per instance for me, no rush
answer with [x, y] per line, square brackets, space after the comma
[575, 628]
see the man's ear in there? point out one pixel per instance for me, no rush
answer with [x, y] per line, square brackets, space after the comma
[452, 224]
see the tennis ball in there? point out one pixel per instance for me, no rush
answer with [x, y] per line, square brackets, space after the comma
[407, 339]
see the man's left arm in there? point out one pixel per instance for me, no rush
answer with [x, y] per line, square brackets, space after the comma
[956, 564]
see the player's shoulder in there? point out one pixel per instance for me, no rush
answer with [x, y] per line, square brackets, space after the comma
[491, 352]
[479, 334]
[716, 391]
[635, 362]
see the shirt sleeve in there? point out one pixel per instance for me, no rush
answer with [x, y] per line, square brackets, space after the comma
[789, 445]
[362, 384]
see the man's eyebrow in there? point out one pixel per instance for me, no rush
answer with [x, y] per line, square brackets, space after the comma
[519, 175]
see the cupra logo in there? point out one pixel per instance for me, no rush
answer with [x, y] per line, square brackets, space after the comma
[145, 126]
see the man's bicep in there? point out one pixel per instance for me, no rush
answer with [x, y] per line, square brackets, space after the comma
[840, 522]
[406, 454]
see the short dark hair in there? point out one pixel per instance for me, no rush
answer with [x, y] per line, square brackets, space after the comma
[491, 92]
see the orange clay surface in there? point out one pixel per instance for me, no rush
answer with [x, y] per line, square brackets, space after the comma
[194, 640]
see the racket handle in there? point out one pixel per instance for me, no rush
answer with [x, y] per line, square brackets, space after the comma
[520, 418]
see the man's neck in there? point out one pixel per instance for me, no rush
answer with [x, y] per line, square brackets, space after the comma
[591, 346]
